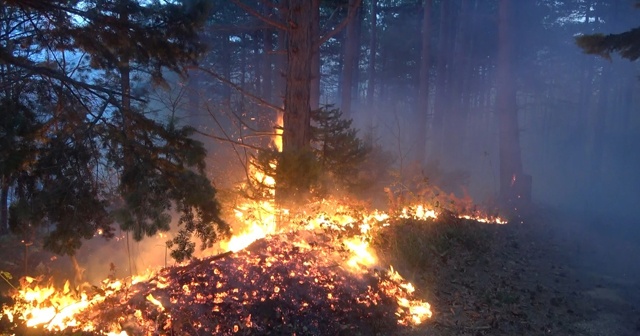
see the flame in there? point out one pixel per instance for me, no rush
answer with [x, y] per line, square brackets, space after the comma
[155, 301]
[277, 138]
[57, 310]
[52, 309]
[259, 219]
[361, 254]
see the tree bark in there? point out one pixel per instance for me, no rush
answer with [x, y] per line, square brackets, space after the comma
[508, 133]
[423, 90]
[293, 173]
[297, 135]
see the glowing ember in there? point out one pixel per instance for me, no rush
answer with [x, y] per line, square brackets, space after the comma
[318, 264]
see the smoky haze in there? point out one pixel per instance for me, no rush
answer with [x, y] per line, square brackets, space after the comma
[577, 122]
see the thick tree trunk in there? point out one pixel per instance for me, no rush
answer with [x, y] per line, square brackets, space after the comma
[350, 50]
[297, 92]
[293, 176]
[511, 177]
[423, 90]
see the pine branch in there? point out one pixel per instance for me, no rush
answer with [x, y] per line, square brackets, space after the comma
[55, 74]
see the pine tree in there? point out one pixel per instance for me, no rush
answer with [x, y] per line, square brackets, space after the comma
[626, 44]
[89, 145]
[336, 144]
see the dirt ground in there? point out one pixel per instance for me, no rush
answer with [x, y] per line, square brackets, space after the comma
[547, 275]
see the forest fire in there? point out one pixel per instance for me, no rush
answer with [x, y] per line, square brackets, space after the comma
[317, 272]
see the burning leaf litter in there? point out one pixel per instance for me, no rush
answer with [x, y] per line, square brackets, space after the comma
[319, 277]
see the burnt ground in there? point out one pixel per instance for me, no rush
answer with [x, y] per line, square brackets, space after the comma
[547, 275]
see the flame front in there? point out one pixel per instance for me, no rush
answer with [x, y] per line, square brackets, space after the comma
[328, 234]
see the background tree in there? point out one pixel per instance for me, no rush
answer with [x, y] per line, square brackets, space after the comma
[510, 160]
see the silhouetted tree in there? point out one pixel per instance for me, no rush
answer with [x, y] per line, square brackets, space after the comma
[154, 165]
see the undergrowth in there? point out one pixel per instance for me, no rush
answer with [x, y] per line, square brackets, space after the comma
[418, 245]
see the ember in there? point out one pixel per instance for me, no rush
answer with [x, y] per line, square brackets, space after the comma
[273, 286]
[315, 275]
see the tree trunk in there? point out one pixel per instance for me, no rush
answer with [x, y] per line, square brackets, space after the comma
[371, 69]
[227, 65]
[193, 99]
[267, 116]
[585, 104]
[243, 76]
[423, 90]
[314, 99]
[599, 126]
[4, 205]
[281, 59]
[293, 175]
[457, 77]
[440, 100]
[350, 50]
[509, 140]
[297, 91]
[355, 80]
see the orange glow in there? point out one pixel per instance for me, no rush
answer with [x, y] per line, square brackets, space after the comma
[277, 139]
[350, 231]
[361, 254]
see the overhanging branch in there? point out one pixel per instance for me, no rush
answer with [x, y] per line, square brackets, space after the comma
[339, 27]
[55, 74]
[238, 88]
[257, 15]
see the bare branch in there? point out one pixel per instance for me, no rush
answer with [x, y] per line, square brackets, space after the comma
[226, 81]
[256, 14]
[338, 28]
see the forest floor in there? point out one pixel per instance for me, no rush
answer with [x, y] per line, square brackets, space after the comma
[547, 275]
